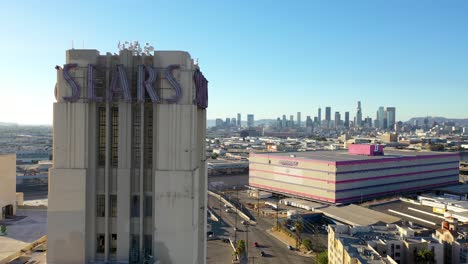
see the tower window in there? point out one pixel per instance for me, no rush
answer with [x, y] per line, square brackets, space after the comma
[100, 243]
[101, 136]
[115, 137]
[113, 205]
[101, 205]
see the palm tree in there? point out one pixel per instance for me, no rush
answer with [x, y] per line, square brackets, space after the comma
[425, 256]
[299, 228]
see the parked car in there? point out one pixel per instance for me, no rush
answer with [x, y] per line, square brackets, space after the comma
[255, 244]
[225, 240]
[290, 247]
[262, 253]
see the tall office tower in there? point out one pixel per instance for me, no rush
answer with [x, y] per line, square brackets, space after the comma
[381, 116]
[278, 122]
[416, 123]
[291, 121]
[227, 123]
[337, 119]
[316, 120]
[299, 119]
[239, 124]
[391, 114]
[309, 122]
[327, 117]
[359, 115]
[346, 119]
[367, 122]
[129, 176]
[319, 115]
[284, 123]
[219, 122]
[250, 120]
[233, 121]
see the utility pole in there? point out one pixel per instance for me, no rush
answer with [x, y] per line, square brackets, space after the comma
[247, 239]
[277, 211]
[258, 203]
[235, 226]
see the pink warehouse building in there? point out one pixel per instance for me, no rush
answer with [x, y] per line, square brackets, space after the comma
[361, 173]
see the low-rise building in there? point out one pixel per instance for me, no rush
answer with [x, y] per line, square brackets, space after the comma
[7, 185]
[380, 244]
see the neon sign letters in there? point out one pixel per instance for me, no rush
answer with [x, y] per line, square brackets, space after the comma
[146, 76]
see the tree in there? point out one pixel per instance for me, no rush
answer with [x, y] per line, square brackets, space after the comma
[322, 258]
[307, 243]
[3, 229]
[299, 228]
[425, 256]
[240, 247]
[214, 155]
[436, 147]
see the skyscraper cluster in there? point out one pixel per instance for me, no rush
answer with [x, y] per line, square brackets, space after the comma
[385, 119]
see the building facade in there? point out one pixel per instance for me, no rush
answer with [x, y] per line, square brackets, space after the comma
[342, 177]
[391, 117]
[7, 185]
[389, 244]
[250, 121]
[128, 182]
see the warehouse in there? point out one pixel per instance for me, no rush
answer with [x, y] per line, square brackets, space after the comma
[360, 173]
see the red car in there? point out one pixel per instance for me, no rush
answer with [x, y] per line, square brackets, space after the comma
[255, 244]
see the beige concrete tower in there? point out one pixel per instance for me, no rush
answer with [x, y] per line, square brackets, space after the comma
[129, 175]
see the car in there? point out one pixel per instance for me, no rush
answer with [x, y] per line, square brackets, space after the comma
[244, 222]
[262, 253]
[290, 247]
[255, 244]
[228, 210]
[225, 240]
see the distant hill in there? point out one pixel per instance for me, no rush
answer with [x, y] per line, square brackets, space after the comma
[7, 124]
[439, 120]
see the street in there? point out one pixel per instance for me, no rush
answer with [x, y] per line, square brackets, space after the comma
[275, 250]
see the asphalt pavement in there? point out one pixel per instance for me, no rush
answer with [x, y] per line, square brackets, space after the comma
[275, 250]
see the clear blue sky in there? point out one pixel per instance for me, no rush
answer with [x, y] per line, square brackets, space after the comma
[262, 57]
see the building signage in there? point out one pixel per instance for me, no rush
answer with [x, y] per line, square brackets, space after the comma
[146, 77]
[288, 163]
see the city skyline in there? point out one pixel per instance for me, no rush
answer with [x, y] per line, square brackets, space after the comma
[404, 54]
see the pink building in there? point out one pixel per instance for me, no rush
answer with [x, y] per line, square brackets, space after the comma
[343, 177]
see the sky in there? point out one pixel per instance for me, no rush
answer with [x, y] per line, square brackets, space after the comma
[263, 57]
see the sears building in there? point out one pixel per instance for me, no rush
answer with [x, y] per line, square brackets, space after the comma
[360, 173]
[128, 184]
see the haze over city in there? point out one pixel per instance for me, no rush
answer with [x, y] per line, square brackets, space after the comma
[208, 132]
[262, 58]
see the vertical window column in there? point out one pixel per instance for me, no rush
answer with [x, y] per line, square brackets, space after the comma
[101, 136]
[115, 137]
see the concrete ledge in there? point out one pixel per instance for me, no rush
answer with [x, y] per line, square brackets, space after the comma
[239, 212]
[22, 251]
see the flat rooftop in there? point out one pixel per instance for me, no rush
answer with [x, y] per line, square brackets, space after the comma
[343, 155]
[356, 215]
[461, 189]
